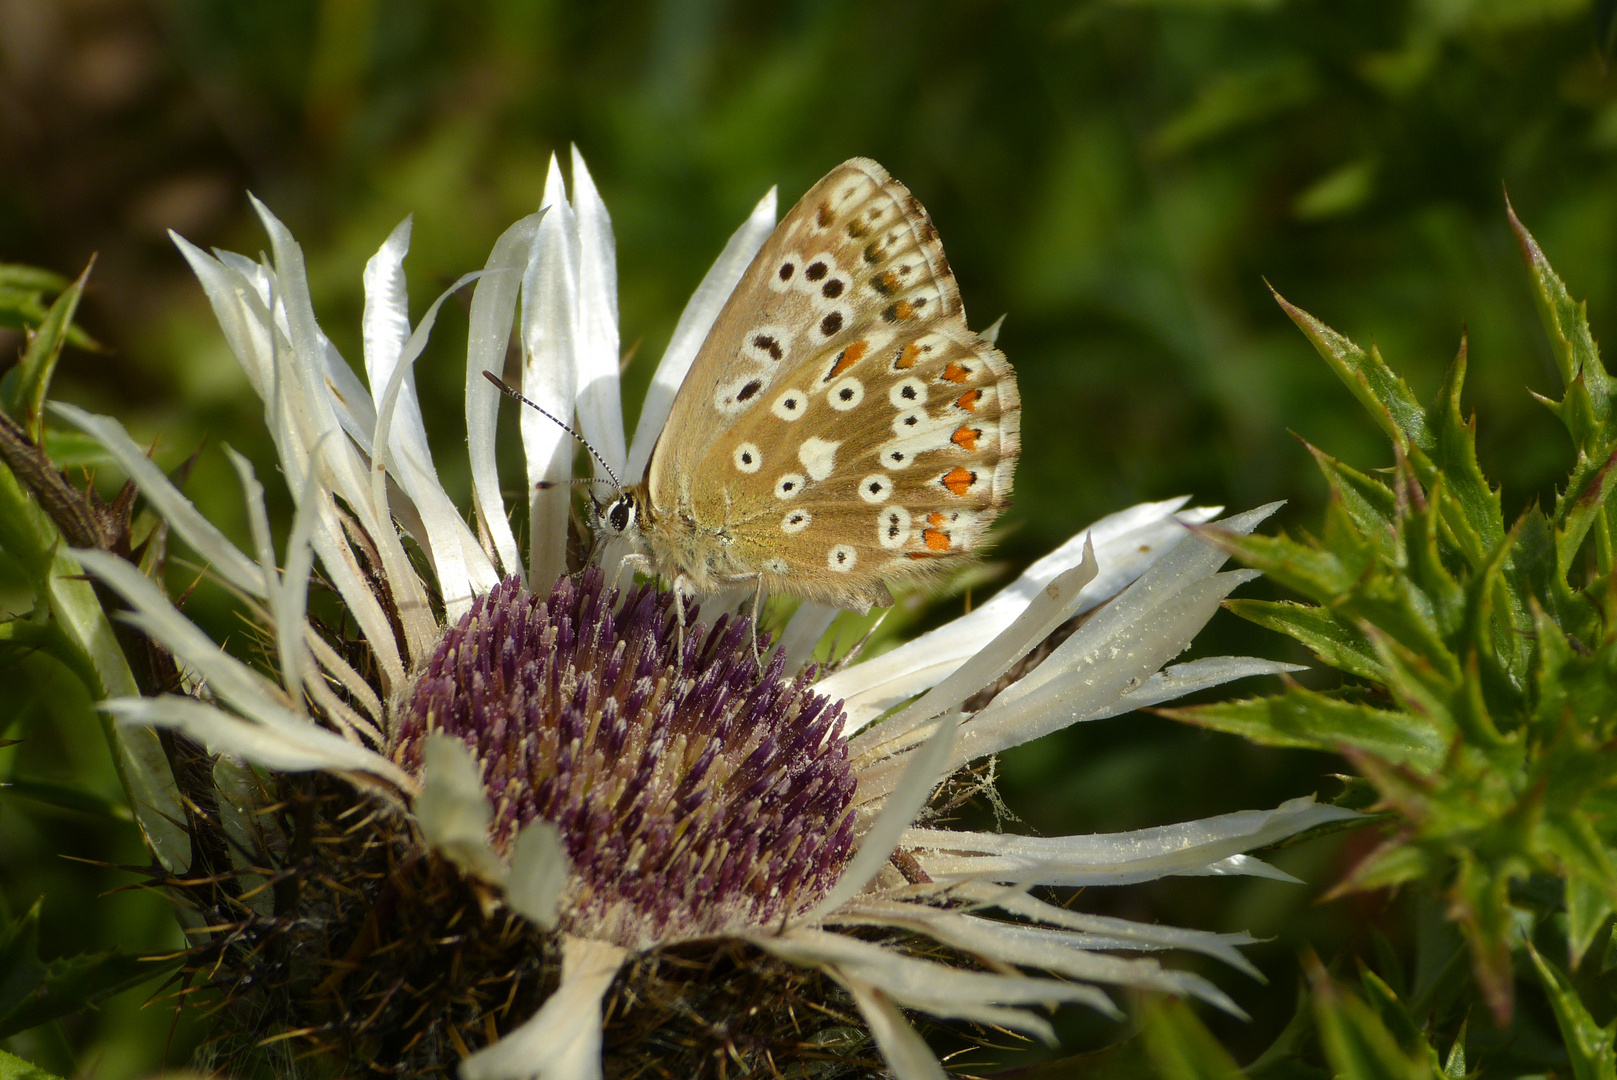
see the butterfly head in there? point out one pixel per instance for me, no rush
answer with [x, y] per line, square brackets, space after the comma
[619, 516]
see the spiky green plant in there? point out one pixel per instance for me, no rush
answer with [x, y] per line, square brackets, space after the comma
[1482, 708]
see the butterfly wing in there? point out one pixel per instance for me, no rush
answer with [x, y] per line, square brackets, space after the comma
[841, 426]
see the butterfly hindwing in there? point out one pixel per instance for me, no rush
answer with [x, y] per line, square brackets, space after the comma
[847, 430]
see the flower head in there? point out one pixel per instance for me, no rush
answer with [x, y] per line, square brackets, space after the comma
[522, 792]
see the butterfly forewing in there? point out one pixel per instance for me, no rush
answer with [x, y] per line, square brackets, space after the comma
[841, 428]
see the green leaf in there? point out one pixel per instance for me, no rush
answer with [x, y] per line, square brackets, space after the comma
[1356, 1041]
[1398, 1021]
[1370, 503]
[30, 279]
[39, 360]
[1283, 1058]
[1588, 906]
[1304, 718]
[1455, 457]
[1341, 646]
[1180, 1047]
[1386, 396]
[15, 1068]
[33, 992]
[65, 797]
[1126, 1060]
[1588, 1045]
[1391, 864]
[1566, 323]
[1454, 1064]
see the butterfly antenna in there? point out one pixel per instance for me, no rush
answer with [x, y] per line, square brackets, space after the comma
[512, 393]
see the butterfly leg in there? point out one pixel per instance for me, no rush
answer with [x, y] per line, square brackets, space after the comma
[757, 603]
[681, 588]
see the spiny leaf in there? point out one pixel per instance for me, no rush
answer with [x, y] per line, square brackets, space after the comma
[1282, 1059]
[1369, 502]
[1566, 323]
[1588, 1045]
[1588, 906]
[1304, 718]
[1357, 1044]
[65, 797]
[33, 376]
[1384, 394]
[1455, 456]
[1336, 643]
[1396, 1018]
[15, 1068]
[33, 992]
[1180, 1047]
[1392, 863]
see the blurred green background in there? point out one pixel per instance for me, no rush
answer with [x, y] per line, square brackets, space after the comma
[1120, 177]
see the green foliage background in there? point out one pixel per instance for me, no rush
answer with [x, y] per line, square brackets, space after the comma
[1118, 176]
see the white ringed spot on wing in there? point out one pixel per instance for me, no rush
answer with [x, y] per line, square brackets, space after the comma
[907, 393]
[796, 521]
[747, 458]
[819, 457]
[775, 566]
[790, 405]
[893, 527]
[907, 421]
[846, 394]
[790, 486]
[841, 558]
[875, 488]
[894, 458]
[786, 272]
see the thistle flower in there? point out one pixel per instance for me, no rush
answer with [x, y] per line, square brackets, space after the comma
[520, 823]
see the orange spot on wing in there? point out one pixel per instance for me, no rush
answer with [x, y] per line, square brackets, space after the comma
[907, 357]
[920, 554]
[903, 309]
[936, 539]
[959, 480]
[935, 520]
[956, 373]
[969, 399]
[849, 357]
[966, 437]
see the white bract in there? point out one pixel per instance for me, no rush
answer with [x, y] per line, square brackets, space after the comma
[356, 457]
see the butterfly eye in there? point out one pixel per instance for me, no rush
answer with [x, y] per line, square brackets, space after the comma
[620, 514]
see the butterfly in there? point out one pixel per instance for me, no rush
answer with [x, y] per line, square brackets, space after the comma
[840, 431]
